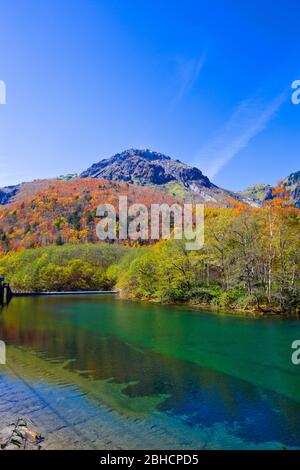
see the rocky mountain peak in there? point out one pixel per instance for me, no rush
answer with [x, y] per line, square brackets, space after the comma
[145, 166]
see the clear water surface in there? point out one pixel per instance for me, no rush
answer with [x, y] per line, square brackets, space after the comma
[128, 375]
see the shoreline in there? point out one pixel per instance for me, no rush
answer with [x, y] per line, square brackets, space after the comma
[255, 313]
[50, 293]
[195, 306]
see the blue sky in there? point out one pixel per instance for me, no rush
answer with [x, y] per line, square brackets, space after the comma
[207, 83]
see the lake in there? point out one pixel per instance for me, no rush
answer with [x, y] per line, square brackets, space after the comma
[98, 372]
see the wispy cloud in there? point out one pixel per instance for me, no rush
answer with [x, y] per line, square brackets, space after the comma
[188, 73]
[249, 119]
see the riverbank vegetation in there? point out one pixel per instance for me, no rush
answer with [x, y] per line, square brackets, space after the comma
[62, 268]
[250, 261]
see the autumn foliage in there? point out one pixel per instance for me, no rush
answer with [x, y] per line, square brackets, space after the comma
[64, 212]
[250, 259]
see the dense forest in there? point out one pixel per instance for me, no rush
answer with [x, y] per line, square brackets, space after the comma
[250, 261]
[59, 212]
[62, 268]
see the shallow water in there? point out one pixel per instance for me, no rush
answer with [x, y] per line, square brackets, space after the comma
[100, 372]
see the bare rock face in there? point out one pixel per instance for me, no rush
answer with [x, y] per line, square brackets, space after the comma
[263, 192]
[147, 167]
[8, 193]
[259, 192]
[292, 184]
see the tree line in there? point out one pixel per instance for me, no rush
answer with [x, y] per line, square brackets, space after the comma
[250, 261]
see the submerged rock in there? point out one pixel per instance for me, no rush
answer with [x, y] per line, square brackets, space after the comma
[20, 436]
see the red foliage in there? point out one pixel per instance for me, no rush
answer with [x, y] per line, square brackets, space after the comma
[64, 212]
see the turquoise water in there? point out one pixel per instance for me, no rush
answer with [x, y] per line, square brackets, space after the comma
[148, 376]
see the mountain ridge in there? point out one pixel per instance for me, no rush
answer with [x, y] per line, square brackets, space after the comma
[146, 167]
